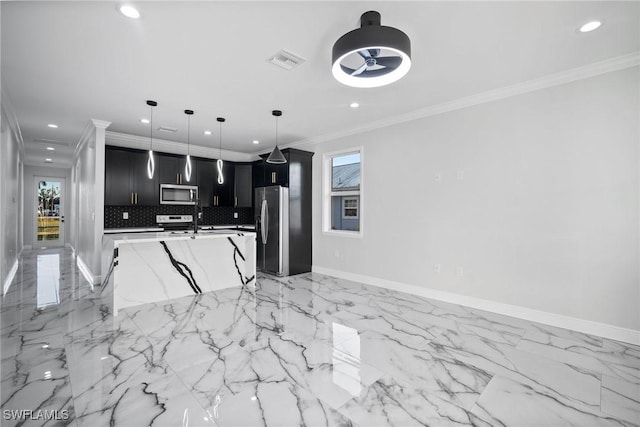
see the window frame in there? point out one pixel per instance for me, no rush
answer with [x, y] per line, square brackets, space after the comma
[328, 193]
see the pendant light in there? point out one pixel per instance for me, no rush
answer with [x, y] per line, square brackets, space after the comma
[219, 163]
[187, 165]
[151, 165]
[276, 155]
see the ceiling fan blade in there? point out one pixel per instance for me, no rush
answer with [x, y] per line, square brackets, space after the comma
[389, 61]
[360, 70]
[364, 53]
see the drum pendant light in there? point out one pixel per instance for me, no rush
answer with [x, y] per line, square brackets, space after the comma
[220, 163]
[372, 55]
[276, 156]
[187, 165]
[151, 165]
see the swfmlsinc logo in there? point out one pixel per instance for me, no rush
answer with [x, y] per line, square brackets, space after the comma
[40, 414]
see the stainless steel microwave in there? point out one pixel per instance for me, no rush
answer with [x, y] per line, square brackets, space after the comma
[171, 194]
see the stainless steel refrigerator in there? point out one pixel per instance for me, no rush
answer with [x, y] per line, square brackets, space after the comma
[272, 227]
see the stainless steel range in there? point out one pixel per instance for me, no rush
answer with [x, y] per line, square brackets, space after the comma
[175, 222]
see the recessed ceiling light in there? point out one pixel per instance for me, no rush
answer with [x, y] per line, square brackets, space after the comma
[145, 121]
[50, 148]
[590, 26]
[255, 141]
[129, 11]
[207, 132]
[354, 105]
[53, 126]
[48, 161]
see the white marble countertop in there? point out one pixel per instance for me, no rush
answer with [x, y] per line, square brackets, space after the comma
[202, 228]
[132, 230]
[166, 235]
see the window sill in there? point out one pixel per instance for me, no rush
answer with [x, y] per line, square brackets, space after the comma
[343, 233]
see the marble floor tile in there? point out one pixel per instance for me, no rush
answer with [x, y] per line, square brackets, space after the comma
[308, 350]
[507, 402]
[621, 399]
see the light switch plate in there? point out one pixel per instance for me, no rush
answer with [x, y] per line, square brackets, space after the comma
[235, 214]
[125, 215]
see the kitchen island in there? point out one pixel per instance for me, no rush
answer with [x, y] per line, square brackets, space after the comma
[151, 267]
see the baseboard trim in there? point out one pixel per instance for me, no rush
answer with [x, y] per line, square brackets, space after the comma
[9, 279]
[86, 272]
[581, 325]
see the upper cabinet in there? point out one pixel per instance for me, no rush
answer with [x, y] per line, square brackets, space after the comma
[210, 191]
[267, 174]
[171, 169]
[243, 185]
[126, 180]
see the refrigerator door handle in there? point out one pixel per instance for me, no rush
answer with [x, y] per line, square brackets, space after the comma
[264, 219]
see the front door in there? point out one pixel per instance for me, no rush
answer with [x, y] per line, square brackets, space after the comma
[49, 212]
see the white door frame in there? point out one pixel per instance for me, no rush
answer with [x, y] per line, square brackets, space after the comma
[63, 196]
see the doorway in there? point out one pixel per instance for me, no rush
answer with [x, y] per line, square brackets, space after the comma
[49, 228]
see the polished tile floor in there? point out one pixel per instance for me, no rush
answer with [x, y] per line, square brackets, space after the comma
[309, 350]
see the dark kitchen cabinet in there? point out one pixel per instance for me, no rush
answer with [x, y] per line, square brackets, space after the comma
[171, 169]
[126, 180]
[205, 179]
[243, 185]
[210, 192]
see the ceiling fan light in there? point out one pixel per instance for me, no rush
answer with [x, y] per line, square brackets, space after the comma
[276, 157]
[371, 37]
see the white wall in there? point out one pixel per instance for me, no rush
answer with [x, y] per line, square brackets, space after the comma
[10, 198]
[547, 216]
[30, 209]
[87, 208]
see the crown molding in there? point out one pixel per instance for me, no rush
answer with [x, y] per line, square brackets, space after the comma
[164, 146]
[557, 79]
[88, 135]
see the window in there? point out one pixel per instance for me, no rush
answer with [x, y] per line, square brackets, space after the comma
[350, 208]
[342, 206]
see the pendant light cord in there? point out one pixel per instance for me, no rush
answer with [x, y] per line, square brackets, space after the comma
[220, 142]
[188, 134]
[151, 129]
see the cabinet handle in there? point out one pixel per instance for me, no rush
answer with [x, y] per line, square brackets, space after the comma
[131, 198]
[273, 177]
[235, 202]
[136, 198]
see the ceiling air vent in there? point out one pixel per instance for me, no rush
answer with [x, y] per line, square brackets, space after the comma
[167, 129]
[287, 60]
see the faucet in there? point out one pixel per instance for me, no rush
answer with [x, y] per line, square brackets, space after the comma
[196, 214]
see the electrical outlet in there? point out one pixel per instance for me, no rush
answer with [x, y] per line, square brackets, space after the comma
[460, 175]
[459, 271]
[125, 215]
[437, 176]
[235, 215]
[337, 254]
[436, 268]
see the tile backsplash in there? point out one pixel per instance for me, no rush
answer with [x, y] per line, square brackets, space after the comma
[145, 216]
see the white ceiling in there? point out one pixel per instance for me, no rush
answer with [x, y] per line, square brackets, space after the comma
[68, 62]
